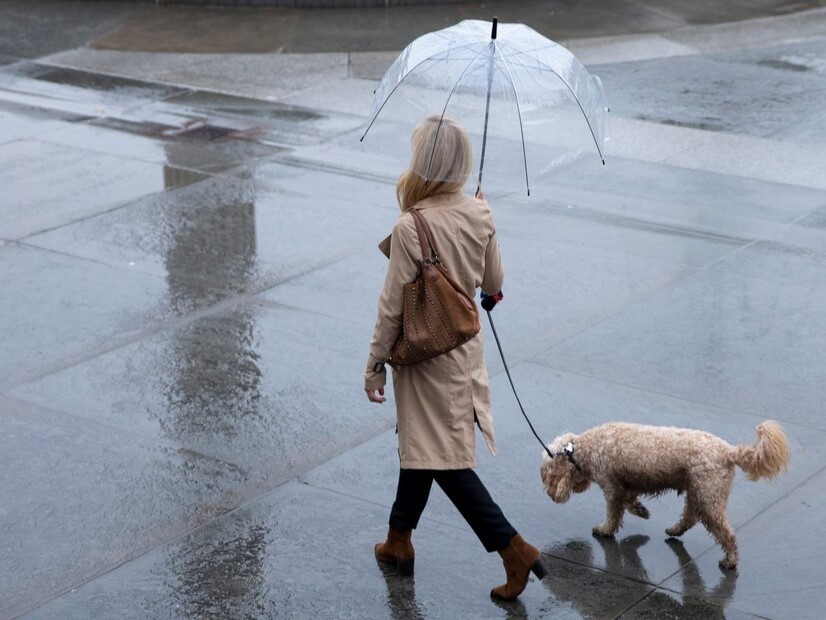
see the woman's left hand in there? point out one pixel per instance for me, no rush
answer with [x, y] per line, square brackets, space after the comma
[373, 397]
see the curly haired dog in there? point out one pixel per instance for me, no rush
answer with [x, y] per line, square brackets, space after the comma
[629, 460]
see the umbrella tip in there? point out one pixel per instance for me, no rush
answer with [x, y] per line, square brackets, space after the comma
[603, 162]
[493, 28]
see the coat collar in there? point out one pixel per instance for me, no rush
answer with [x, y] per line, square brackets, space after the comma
[439, 200]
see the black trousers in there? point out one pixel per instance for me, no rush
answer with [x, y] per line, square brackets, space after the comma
[465, 490]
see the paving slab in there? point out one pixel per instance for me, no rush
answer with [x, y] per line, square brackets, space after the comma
[134, 64]
[266, 76]
[815, 220]
[783, 546]
[234, 385]
[559, 402]
[19, 122]
[663, 604]
[698, 601]
[163, 144]
[79, 499]
[272, 121]
[737, 156]
[202, 309]
[626, 48]
[699, 200]
[808, 58]
[774, 261]
[712, 338]
[223, 236]
[61, 88]
[48, 185]
[282, 556]
[806, 24]
[289, 175]
[353, 96]
[67, 82]
[563, 274]
[714, 93]
[62, 309]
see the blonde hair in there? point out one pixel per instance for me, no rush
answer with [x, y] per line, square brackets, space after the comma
[441, 162]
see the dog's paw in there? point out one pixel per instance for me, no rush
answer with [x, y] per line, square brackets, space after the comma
[602, 531]
[727, 564]
[675, 531]
[639, 510]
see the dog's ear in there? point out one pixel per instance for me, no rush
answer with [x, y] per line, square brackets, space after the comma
[564, 484]
[580, 486]
[548, 474]
[556, 478]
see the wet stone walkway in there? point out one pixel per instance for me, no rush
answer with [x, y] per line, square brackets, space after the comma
[189, 280]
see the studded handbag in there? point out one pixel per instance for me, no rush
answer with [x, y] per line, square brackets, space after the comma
[438, 315]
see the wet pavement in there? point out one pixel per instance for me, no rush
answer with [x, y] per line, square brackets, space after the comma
[189, 281]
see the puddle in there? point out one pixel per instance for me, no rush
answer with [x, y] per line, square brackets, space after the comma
[34, 114]
[783, 65]
[212, 152]
[243, 106]
[815, 219]
[704, 125]
[93, 81]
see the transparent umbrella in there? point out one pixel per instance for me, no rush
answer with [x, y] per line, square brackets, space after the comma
[528, 104]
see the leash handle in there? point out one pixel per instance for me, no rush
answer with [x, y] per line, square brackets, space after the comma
[508, 372]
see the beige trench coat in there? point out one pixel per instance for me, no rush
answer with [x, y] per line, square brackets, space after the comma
[438, 400]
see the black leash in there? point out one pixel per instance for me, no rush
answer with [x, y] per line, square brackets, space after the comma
[508, 372]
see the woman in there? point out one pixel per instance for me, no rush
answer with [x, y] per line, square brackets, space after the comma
[438, 401]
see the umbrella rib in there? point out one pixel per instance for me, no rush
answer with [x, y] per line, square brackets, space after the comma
[519, 112]
[519, 52]
[581, 109]
[447, 101]
[412, 69]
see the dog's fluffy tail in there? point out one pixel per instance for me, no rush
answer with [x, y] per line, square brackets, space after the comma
[766, 458]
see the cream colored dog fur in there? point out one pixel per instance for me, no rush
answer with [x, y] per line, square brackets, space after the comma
[629, 460]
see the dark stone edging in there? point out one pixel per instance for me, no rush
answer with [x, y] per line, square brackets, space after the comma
[296, 4]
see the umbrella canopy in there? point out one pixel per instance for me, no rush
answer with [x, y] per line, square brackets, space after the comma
[528, 103]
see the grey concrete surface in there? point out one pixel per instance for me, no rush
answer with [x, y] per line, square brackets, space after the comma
[189, 276]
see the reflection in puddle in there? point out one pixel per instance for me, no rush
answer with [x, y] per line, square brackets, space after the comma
[222, 579]
[514, 610]
[55, 79]
[188, 162]
[401, 595]
[622, 558]
[246, 107]
[211, 379]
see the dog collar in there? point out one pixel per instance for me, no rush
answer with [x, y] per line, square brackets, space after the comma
[568, 451]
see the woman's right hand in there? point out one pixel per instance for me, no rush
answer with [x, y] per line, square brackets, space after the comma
[375, 397]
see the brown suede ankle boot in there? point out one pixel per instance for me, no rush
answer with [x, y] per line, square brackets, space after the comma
[398, 550]
[520, 559]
